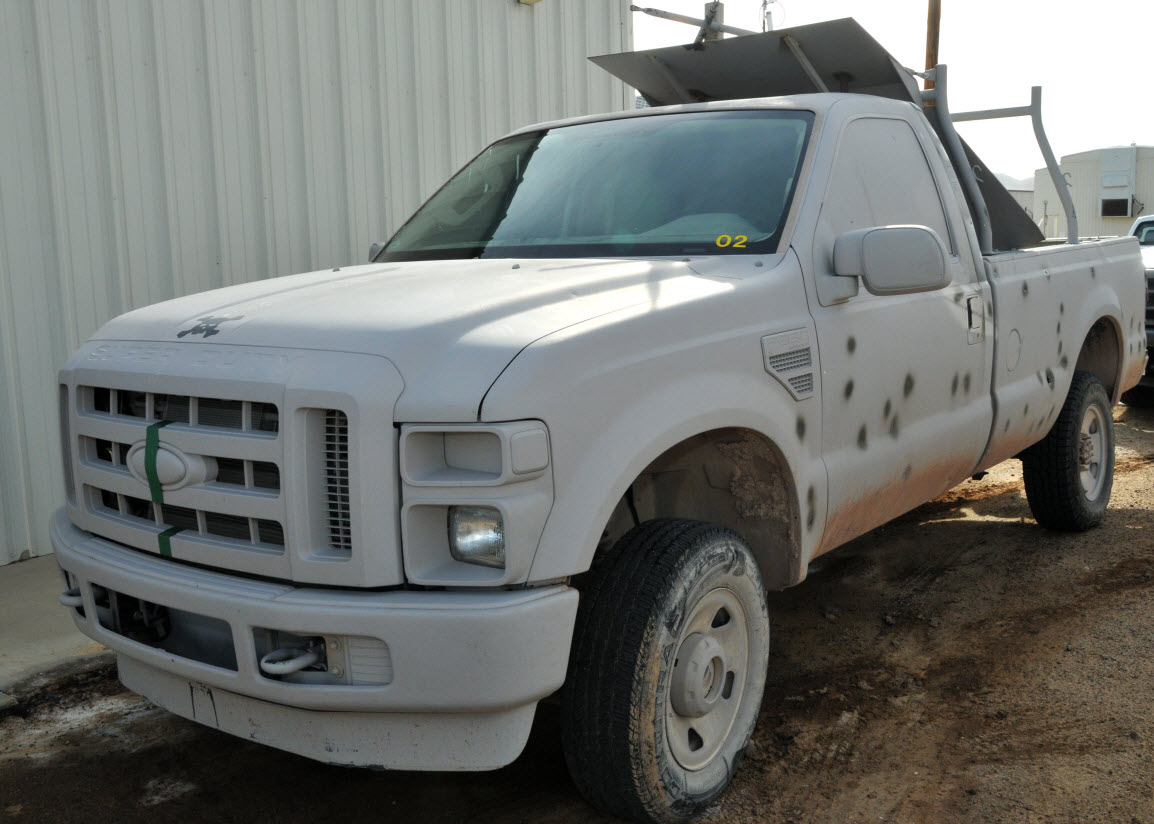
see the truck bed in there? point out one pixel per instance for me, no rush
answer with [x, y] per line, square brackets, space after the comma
[1042, 307]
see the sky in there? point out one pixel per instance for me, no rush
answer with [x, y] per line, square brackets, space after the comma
[1092, 60]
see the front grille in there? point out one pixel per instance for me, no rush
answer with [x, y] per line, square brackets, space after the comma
[257, 533]
[337, 480]
[258, 475]
[1150, 298]
[185, 469]
[247, 416]
[230, 514]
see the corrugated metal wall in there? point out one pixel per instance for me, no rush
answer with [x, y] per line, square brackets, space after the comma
[149, 149]
[1084, 173]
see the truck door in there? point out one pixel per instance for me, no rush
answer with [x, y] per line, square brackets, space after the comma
[906, 407]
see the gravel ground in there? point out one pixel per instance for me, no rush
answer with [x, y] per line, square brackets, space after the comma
[957, 665]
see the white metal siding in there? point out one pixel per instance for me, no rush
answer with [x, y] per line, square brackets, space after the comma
[1023, 198]
[1084, 173]
[153, 149]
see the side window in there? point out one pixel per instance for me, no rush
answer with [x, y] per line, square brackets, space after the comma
[881, 177]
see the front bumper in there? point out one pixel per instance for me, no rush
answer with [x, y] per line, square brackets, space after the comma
[467, 668]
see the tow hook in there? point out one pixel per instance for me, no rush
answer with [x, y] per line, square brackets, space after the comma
[287, 660]
[71, 598]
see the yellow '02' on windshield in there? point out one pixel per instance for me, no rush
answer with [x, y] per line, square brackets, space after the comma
[736, 241]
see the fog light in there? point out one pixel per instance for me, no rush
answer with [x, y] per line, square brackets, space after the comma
[477, 535]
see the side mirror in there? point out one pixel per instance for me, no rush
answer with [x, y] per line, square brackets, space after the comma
[892, 260]
[375, 250]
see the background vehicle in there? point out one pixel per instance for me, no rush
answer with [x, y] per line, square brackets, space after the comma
[618, 378]
[1143, 393]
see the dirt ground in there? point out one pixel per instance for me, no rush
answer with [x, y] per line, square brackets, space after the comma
[957, 665]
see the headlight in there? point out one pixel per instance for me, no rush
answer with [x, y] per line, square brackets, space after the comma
[475, 499]
[477, 535]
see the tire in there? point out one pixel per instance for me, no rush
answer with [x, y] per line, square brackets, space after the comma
[1140, 397]
[1069, 473]
[672, 636]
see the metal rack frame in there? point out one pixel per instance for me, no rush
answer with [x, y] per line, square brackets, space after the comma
[937, 96]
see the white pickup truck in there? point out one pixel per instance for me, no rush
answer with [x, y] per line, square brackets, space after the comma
[616, 380]
[1143, 393]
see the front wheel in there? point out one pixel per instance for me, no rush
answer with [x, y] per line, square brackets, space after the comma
[1069, 473]
[667, 671]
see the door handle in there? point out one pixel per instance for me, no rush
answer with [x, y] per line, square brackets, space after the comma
[976, 314]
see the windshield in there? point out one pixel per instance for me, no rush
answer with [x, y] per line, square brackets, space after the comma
[679, 184]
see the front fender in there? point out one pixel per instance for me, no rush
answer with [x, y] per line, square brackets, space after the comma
[593, 477]
[618, 391]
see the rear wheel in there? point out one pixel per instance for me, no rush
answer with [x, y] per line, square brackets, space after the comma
[1070, 473]
[667, 671]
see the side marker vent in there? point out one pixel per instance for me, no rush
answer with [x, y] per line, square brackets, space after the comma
[790, 361]
[788, 357]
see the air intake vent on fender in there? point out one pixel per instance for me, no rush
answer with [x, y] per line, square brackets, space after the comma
[788, 357]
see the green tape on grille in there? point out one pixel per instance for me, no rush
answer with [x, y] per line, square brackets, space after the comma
[164, 540]
[151, 445]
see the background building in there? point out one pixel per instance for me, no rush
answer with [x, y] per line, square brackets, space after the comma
[152, 149]
[1024, 198]
[1110, 188]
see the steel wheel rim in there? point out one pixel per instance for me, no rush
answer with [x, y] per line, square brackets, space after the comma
[709, 672]
[1092, 453]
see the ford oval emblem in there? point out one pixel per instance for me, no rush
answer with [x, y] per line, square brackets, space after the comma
[174, 468]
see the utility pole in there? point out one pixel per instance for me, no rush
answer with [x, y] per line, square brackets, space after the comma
[714, 13]
[933, 26]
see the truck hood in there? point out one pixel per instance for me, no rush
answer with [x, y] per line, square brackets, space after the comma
[1148, 257]
[450, 327]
